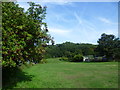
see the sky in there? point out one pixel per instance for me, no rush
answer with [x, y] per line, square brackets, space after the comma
[80, 22]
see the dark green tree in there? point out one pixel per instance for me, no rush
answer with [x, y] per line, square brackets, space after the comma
[108, 45]
[69, 49]
[116, 50]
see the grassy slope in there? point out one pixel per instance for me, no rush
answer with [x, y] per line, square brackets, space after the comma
[57, 74]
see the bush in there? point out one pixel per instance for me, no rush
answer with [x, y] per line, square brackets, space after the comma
[43, 61]
[77, 58]
[64, 59]
[98, 59]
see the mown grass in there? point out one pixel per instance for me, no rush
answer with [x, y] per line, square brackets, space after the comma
[58, 74]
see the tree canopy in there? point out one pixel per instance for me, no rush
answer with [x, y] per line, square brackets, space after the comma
[109, 46]
[68, 49]
[23, 38]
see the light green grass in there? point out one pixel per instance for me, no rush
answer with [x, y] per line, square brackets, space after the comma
[58, 74]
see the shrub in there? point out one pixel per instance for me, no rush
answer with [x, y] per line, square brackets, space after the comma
[43, 61]
[64, 59]
[78, 58]
[98, 59]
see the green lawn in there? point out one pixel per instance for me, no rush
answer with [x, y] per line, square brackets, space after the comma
[59, 74]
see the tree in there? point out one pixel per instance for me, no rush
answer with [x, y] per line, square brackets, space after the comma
[116, 50]
[23, 37]
[108, 45]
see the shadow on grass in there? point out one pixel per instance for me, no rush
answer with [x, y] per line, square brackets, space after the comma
[12, 76]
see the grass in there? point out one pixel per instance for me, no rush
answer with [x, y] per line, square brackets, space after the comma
[59, 74]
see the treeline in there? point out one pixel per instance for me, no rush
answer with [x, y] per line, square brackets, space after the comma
[68, 48]
[108, 47]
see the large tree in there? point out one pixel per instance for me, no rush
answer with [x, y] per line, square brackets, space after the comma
[108, 45]
[23, 37]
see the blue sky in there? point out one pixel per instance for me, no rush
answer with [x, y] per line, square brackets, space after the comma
[80, 22]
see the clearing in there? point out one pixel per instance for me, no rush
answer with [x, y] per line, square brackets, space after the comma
[60, 74]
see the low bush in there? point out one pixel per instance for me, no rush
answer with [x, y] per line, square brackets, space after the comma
[43, 61]
[63, 59]
[77, 58]
[98, 59]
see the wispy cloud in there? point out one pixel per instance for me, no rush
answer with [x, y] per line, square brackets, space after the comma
[80, 23]
[58, 31]
[78, 18]
[60, 17]
[105, 20]
[54, 2]
[85, 24]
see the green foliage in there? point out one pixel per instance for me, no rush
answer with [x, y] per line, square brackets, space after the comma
[116, 49]
[74, 58]
[90, 58]
[54, 60]
[43, 61]
[23, 38]
[77, 58]
[64, 59]
[109, 46]
[69, 49]
[98, 59]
